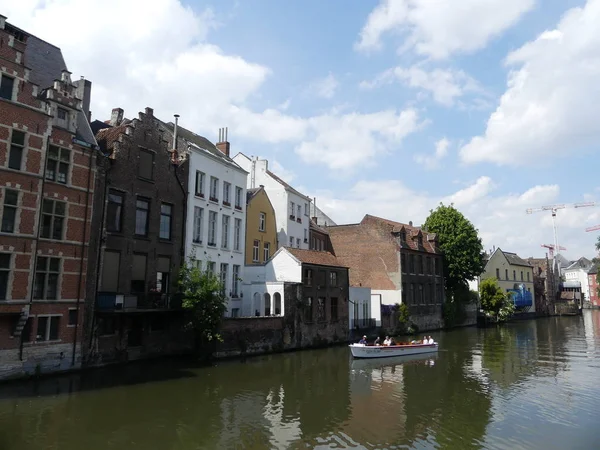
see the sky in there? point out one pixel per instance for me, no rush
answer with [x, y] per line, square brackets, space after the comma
[382, 107]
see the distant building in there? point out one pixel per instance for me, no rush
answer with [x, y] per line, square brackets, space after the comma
[47, 170]
[576, 278]
[319, 237]
[291, 207]
[401, 263]
[594, 286]
[545, 284]
[515, 275]
[261, 227]
[319, 216]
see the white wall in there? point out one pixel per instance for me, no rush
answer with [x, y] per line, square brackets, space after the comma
[383, 297]
[203, 161]
[581, 276]
[359, 297]
[280, 199]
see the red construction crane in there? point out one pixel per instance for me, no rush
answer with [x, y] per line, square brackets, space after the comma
[551, 248]
[594, 228]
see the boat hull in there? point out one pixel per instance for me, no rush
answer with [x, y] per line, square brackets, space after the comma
[380, 351]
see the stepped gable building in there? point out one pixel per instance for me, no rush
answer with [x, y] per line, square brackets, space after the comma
[47, 172]
[401, 263]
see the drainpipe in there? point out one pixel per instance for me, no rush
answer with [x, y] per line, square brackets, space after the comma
[36, 244]
[82, 249]
[183, 190]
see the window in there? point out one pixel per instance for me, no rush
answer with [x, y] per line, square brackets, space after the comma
[309, 310]
[235, 312]
[142, 212]
[225, 232]
[166, 217]
[47, 328]
[17, 143]
[306, 209]
[46, 278]
[291, 241]
[298, 216]
[403, 236]
[497, 273]
[226, 193]
[298, 242]
[214, 189]
[411, 263]
[404, 293]
[9, 212]
[421, 300]
[224, 272]
[305, 236]
[198, 224]
[333, 279]
[419, 264]
[237, 234]
[308, 276]
[420, 241]
[528, 276]
[313, 243]
[114, 211]
[411, 296]
[521, 275]
[235, 281]
[320, 309]
[266, 251]
[506, 274]
[292, 210]
[200, 176]
[403, 262]
[334, 308]
[53, 217]
[111, 265]
[212, 228]
[138, 273]
[210, 267]
[146, 164]
[57, 166]
[4, 274]
[261, 221]
[238, 197]
[163, 274]
[6, 87]
[72, 317]
[62, 117]
[255, 250]
[514, 275]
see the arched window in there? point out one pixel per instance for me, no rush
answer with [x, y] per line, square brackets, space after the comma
[267, 304]
[277, 298]
[256, 304]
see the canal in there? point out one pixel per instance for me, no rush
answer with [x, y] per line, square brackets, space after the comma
[526, 385]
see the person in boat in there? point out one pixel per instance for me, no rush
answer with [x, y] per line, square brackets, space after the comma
[425, 340]
[387, 341]
[363, 341]
[377, 341]
[430, 341]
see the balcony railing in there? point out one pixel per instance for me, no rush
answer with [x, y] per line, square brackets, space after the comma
[107, 301]
[359, 324]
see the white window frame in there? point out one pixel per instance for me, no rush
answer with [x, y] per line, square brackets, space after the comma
[214, 189]
[262, 221]
[235, 287]
[291, 241]
[256, 251]
[48, 326]
[226, 193]
[198, 224]
[298, 242]
[223, 275]
[238, 197]
[200, 181]
[292, 210]
[212, 229]
[225, 231]
[266, 251]
[237, 234]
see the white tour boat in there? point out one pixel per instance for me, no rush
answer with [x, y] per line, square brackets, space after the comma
[386, 351]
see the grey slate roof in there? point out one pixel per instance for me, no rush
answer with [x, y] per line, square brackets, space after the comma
[593, 270]
[515, 259]
[582, 263]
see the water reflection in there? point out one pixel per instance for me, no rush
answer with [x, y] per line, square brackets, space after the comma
[531, 384]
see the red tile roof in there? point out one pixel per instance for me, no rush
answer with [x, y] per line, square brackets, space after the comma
[412, 233]
[315, 257]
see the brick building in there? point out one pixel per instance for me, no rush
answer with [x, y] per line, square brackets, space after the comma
[401, 263]
[319, 237]
[139, 245]
[545, 285]
[47, 173]
[594, 286]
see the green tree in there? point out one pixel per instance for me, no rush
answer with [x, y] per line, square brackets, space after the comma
[494, 301]
[460, 242]
[463, 257]
[205, 303]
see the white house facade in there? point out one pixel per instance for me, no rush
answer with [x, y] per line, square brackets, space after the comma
[216, 218]
[578, 273]
[359, 311]
[292, 208]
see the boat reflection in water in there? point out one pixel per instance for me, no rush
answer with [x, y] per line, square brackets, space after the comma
[380, 364]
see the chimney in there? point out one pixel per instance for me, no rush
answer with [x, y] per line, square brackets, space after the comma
[315, 220]
[410, 223]
[84, 93]
[174, 150]
[65, 76]
[223, 145]
[116, 117]
[2, 21]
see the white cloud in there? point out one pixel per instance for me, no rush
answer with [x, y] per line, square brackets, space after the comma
[325, 87]
[159, 56]
[440, 28]
[354, 140]
[431, 162]
[500, 217]
[445, 85]
[549, 109]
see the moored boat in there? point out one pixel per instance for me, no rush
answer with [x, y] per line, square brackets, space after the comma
[387, 351]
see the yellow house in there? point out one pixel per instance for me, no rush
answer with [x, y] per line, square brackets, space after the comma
[513, 273]
[261, 229]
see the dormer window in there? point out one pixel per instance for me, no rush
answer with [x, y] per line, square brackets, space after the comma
[403, 236]
[420, 240]
[62, 118]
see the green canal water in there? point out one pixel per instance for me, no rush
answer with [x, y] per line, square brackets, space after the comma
[527, 385]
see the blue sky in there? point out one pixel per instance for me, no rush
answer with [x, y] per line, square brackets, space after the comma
[381, 107]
